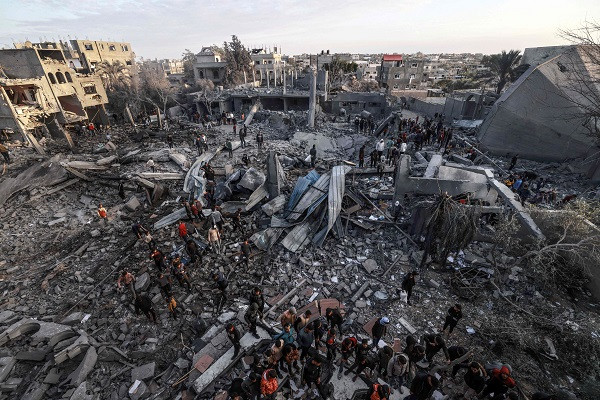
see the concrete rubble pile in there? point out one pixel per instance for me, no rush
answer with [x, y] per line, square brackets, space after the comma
[329, 236]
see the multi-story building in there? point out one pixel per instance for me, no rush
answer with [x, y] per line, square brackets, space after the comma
[209, 65]
[269, 66]
[398, 73]
[40, 88]
[84, 55]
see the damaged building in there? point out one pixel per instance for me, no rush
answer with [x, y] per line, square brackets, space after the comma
[41, 90]
[542, 115]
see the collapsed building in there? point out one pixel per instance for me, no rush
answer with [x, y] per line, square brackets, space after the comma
[542, 116]
[40, 91]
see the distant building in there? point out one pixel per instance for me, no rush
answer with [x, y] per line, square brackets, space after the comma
[356, 102]
[84, 55]
[41, 90]
[269, 66]
[209, 65]
[398, 73]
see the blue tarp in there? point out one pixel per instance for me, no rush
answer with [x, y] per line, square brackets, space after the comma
[301, 187]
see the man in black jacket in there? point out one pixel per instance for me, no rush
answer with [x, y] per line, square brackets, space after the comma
[433, 344]
[422, 386]
[379, 330]
[234, 335]
[312, 374]
[334, 318]
[452, 318]
[143, 303]
[408, 283]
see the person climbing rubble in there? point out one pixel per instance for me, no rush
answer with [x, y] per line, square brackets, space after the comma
[164, 284]
[179, 272]
[313, 156]
[452, 317]
[102, 212]
[312, 375]
[192, 250]
[246, 252]
[126, 279]
[138, 230]
[499, 383]
[433, 344]
[150, 165]
[222, 284]
[251, 318]
[144, 303]
[379, 330]
[408, 283]
[159, 259]
[214, 239]
[173, 307]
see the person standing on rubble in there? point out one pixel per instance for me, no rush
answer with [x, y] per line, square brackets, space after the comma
[173, 307]
[236, 219]
[182, 229]
[246, 252]
[286, 334]
[214, 239]
[179, 272]
[302, 320]
[234, 335]
[379, 330]
[216, 218]
[188, 209]
[159, 259]
[361, 156]
[199, 144]
[164, 284]
[380, 146]
[334, 318]
[259, 140]
[242, 136]
[127, 279]
[452, 317]
[408, 283]
[269, 384]
[102, 212]
[433, 344]
[288, 316]
[234, 127]
[305, 339]
[251, 318]
[313, 156]
[397, 371]
[192, 249]
[149, 241]
[347, 348]
[4, 152]
[312, 374]
[139, 230]
[513, 162]
[144, 303]
[221, 283]
[381, 167]
[170, 140]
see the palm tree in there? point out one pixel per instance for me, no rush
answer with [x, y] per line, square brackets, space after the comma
[114, 74]
[504, 66]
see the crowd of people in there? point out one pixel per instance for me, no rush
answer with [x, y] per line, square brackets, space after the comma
[305, 343]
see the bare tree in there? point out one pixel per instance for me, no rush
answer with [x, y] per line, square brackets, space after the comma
[155, 88]
[206, 93]
[582, 67]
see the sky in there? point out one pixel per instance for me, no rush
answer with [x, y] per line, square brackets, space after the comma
[165, 28]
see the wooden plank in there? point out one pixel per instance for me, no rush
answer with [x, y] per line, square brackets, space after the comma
[78, 174]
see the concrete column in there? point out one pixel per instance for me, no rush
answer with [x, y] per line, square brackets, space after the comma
[326, 84]
[292, 76]
[261, 77]
[284, 87]
[268, 80]
[245, 79]
[312, 100]
[285, 104]
[274, 77]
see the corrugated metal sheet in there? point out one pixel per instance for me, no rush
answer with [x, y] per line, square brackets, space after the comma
[265, 239]
[316, 192]
[337, 186]
[256, 197]
[301, 187]
[298, 237]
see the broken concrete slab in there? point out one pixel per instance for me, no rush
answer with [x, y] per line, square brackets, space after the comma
[247, 341]
[274, 206]
[143, 372]
[6, 366]
[142, 282]
[85, 367]
[132, 204]
[252, 179]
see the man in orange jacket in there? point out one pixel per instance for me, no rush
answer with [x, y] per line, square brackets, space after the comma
[269, 384]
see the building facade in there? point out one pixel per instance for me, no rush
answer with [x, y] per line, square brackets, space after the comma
[209, 65]
[268, 67]
[40, 89]
[398, 73]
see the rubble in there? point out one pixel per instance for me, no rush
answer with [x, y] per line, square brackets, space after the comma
[324, 237]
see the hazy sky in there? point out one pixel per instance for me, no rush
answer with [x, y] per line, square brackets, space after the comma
[164, 28]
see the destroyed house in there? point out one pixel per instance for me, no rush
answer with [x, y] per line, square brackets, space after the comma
[40, 90]
[355, 103]
[542, 115]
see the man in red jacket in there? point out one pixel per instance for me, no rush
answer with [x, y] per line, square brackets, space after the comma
[499, 383]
